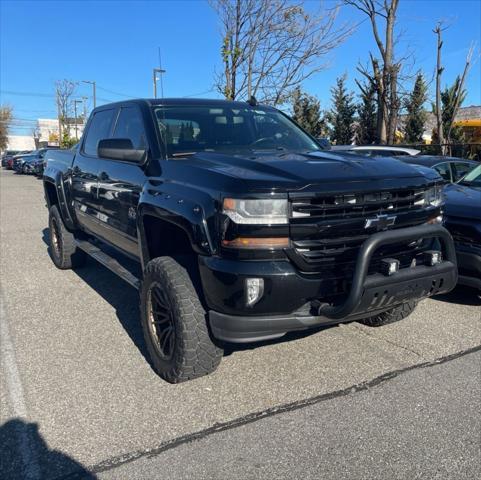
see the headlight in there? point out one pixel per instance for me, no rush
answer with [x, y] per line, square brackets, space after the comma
[434, 196]
[262, 211]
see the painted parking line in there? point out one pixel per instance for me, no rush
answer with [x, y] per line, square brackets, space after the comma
[25, 443]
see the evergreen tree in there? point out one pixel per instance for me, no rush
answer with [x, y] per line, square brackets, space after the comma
[448, 100]
[341, 116]
[306, 111]
[416, 113]
[366, 131]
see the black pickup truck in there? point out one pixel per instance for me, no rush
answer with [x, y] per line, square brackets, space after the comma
[244, 228]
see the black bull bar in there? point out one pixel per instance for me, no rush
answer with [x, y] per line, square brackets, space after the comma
[372, 292]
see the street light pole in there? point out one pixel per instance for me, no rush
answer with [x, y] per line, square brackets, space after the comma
[155, 71]
[94, 90]
[84, 100]
[76, 119]
[154, 79]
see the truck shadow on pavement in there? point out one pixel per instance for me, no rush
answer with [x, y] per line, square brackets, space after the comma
[125, 300]
[461, 295]
[25, 454]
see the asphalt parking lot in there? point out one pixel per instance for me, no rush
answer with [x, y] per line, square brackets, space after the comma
[77, 393]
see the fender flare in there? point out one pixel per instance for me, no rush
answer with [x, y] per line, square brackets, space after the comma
[191, 210]
[62, 189]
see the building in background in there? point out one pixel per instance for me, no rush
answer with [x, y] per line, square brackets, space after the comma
[466, 117]
[45, 134]
[20, 143]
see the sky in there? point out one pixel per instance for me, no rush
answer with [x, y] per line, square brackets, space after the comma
[116, 44]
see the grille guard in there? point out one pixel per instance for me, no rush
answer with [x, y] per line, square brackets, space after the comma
[362, 283]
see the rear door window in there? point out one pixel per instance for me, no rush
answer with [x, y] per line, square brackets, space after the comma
[99, 128]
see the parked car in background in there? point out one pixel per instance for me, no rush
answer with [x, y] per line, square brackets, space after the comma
[378, 150]
[7, 155]
[11, 161]
[463, 220]
[39, 167]
[24, 163]
[451, 169]
[11, 158]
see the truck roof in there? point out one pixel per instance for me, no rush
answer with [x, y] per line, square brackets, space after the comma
[186, 102]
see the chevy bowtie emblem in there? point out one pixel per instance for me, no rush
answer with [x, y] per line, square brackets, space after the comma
[381, 222]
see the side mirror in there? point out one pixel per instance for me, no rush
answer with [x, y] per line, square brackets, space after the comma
[120, 149]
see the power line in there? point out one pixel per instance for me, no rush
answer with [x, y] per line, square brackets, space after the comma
[115, 93]
[200, 93]
[27, 94]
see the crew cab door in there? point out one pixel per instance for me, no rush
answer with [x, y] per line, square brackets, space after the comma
[120, 184]
[85, 169]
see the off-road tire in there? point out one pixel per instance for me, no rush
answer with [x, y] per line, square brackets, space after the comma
[62, 249]
[192, 352]
[390, 316]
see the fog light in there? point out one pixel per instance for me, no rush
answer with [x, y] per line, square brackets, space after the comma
[435, 220]
[389, 266]
[432, 257]
[254, 290]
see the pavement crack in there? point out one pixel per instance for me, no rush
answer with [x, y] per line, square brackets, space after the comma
[363, 330]
[119, 460]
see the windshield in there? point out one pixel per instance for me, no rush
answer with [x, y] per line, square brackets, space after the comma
[473, 178]
[191, 129]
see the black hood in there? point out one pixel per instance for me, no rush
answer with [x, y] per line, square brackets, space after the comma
[268, 171]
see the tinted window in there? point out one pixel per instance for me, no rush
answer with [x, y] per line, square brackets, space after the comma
[98, 130]
[130, 125]
[444, 170]
[190, 129]
[461, 169]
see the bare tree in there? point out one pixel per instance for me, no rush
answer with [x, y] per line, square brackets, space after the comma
[444, 130]
[64, 90]
[270, 46]
[459, 93]
[6, 117]
[383, 74]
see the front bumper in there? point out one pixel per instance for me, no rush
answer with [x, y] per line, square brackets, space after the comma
[293, 301]
[469, 264]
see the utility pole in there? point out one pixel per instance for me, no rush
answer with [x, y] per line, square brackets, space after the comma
[84, 100]
[59, 122]
[94, 90]
[76, 119]
[155, 71]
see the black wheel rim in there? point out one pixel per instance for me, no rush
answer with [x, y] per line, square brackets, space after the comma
[161, 322]
[56, 239]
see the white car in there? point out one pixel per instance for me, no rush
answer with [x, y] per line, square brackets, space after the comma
[378, 150]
